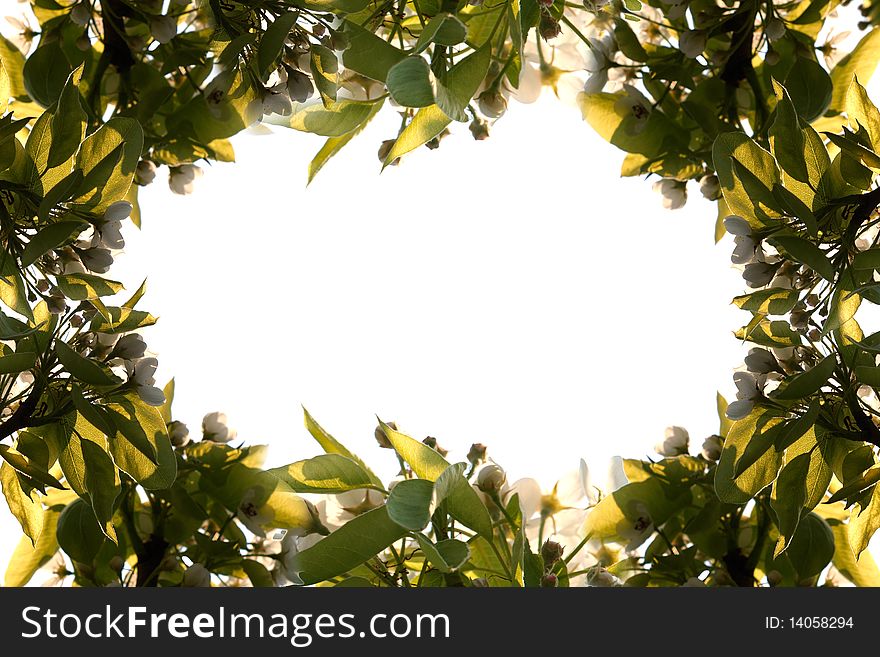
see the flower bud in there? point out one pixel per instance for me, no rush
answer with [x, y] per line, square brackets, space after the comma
[144, 173]
[479, 129]
[675, 442]
[711, 450]
[491, 478]
[551, 552]
[549, 581]
[774, 578]
[710, 187]
[215, 429]
[492, 104]
[431, 442]
[178, 432]
[774, 29]
[476, 454]
[197, 576]
[548, 27]
[116, 564]
[81, 14]
[381, 438]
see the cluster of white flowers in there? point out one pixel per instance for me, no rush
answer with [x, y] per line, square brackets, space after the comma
[93, 251]
[676, 442]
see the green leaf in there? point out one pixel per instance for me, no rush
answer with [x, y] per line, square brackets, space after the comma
[27, 559]
[772, 301]
[861, 483]
[867, 374]
[257, 573]
[122, 320]
[337, 119]
[357, 541]
[141, 447]
[443, 29]
[108, 158]
[788, 498]
[862, 571]
[12, 290]
[411, 82]
[869, 259]
[78, 532]
[426, 124]
[335, 144]
[752, 201]
[861, 112]
[36, 472]
[862, 525]
[455, 90]
[409, 503]
[806, 383]
[619, 511]
[272, 42]
[867, 157]
[324, 67]
[787, 140]
[102, 484]
[85, 369]
[326, 473]
[13, 65]
[446, 556]
[369, 54]
[860, 63]
[17, 362]
[87, 286]
[739, 489]
[45, 72]
[810, 88]
[92, 412]
[68, 122]
[812, 546]
[332, 446]
[795, 207]
[23, 501]
[463, 503]
[48, 238]
[448, 481]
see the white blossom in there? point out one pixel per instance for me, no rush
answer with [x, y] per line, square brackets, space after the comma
[675, 442]
[145, 172]
[674, 193]
[181, 179]
[178, 433]
[711, 449]
[710, 187]
[216, 429]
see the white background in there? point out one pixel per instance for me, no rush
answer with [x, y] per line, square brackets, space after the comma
[514, 292]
